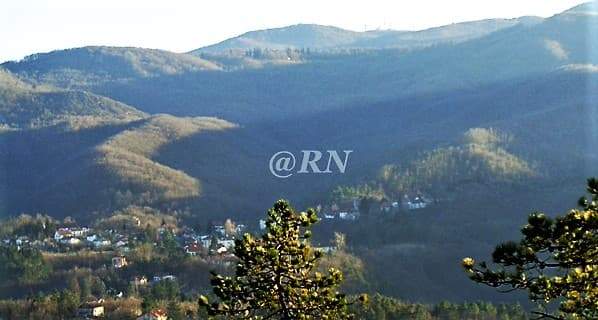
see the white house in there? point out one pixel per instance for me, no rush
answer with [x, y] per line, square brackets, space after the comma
[91, 310]
[417, 203]
[162, 278]
[62, 233]
[71, 241]
[101, 243]
[221, 250]
[22, 240]
[120, 243]
[229, 244]
[79, 232]
[347, 215]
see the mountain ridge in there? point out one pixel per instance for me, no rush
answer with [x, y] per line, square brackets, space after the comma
[314, 36]
[76, 67]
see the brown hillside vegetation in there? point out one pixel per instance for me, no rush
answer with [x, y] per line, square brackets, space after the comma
[127, 157]
[137, 218]
[481, 159]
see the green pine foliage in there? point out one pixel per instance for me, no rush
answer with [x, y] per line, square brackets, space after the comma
[25, 265]
[382, 307]
[555, 262]
[364, 191]
[276, 275]
[36, 227]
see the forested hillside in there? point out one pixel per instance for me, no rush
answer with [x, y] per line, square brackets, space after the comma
[480, 161]
[89, 66]
[25, 106]
[510, 54]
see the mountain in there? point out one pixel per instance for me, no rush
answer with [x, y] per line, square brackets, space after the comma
[585, 9]
[549, 141]
[25, 106]
[85, 66]
[212, 169]
[197, 143]
[112, 166]
[481, 161]
[128, 156]
[304, 86]
[453, 33]
[295, 36]
[312, 36]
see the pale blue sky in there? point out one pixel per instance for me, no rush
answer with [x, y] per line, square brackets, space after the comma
[31, 26]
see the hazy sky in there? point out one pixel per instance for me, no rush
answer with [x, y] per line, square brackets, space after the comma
[30, 26]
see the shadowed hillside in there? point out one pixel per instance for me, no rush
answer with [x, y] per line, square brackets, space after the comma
[24, 106]
[110, 166]
[128, 157]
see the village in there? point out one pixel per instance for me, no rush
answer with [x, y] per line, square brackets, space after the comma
[218, 240]
[215, 245]
[75, 238]
[355, 208]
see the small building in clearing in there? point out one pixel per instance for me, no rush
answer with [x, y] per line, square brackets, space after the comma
[156, 314]
[91, 309]
[119, 262]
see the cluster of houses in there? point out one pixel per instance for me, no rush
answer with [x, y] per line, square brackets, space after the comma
[216, 246]
[87, 237]
[94, 309]
[72, 238]
[219, 241]
[351, 209]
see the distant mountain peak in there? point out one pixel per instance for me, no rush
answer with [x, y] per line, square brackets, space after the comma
[314, 36]
[293, 36]
[588, 8]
